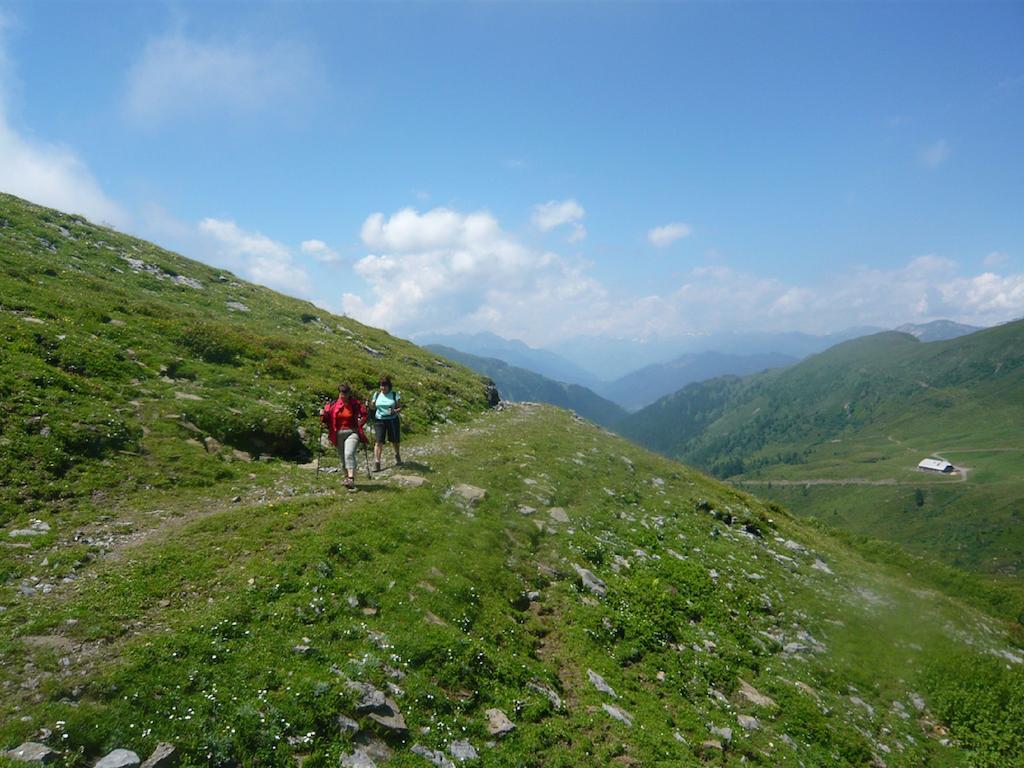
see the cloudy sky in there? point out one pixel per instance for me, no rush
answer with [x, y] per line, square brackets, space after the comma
[545, 170]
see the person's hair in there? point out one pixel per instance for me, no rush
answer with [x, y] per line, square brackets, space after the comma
[385, 380]
[344, 388]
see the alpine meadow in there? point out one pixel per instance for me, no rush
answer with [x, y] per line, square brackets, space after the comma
[461, 384]
[526, 590]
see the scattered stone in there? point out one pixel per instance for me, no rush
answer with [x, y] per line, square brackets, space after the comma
[558, 515]
[792, 649]
[525, 510]
[917, 701]
[861, 703]
[389, 717]
[164, 756]
[554, 698]
[303, 650]
[348, 725]
[370, 698]
[434, 756]
[408, 481]
[187, 396]
[754, 696]
[711, 745]
[470, 494]
[212, 445]
[793, 546]
[819, 565]
[725, 734]
[119, 758]
[590, 581]
[35, 528]
[241, 455]
[358, 759]
[237, 306]
[619, 714]
[432, 618]
[462, 751]
[33, 752]
[498, 723]
[235, 499]
[598, 682]
[748, 723]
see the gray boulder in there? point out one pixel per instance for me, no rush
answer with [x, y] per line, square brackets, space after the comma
[33, 752]
[164, 756]
[619, 714]
[462, 751]
[590, 581]
[119, 758]
[434, 756]
[598, 682]
[498, 723]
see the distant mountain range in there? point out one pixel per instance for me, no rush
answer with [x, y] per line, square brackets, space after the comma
[519, 384]
[515, 353]
[937, 330]
[643, 387]
[610, 359]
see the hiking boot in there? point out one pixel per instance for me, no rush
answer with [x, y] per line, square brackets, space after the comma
[350, 482]
[376, 466]
[398, 461]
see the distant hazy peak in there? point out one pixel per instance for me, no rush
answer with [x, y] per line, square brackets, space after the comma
[937, 330]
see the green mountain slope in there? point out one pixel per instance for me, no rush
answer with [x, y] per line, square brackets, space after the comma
[521, 385]
[116, 352]
[528, 588]
[840, 435]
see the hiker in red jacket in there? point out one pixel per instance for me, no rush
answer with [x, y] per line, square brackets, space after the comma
[344, 419]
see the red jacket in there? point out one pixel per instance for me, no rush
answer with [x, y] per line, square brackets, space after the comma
[345, 414]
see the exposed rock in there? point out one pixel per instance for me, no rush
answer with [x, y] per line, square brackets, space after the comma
[358, 759]
[33, 752]
[819, 565]
[119, 758]
[498, 723]
[187, 396]
[917, 701]
[469, 494]
[725, 734]
[35, 528]
[554, 698]
[237, 306]
[598, 682]
[408, 481]
[212, 445]
[711, 745]
[241, 455]
[370, 698]
[389, 717]
[791, 649]
[590, 581]
[462, 751]
[303, 650]
[491, 394]
[754, 696]
[434, 756]
[619, 714]
[348, 725]
[164, 756]
[525, 510]
[748, 723]
[558, 515]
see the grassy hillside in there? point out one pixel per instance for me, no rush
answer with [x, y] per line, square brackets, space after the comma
[840, 435]
[528, 589]
[521, 385]
[120, 359]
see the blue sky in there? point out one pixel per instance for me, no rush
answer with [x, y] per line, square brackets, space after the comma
[637, 170]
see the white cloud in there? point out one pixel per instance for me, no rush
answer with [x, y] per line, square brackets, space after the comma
[43, 172]
[555, 213]
[447, 270]
[255, 256]
[177, 76]
[995, 258]
[935, 154]
[320, 251]
[661, 237]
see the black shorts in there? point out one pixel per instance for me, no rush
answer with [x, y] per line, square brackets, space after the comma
[388, 428]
